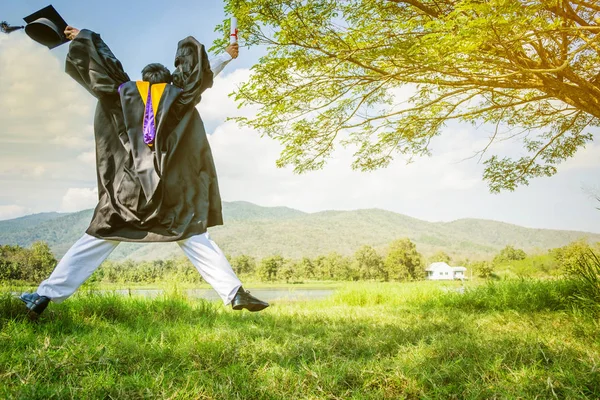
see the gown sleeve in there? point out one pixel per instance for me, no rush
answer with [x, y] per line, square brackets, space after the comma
[219, 62]
[91, 63]
[192, 74]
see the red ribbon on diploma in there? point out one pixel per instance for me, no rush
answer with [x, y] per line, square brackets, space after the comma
[233, 37]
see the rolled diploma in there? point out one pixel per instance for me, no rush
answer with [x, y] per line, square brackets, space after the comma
[233, 36]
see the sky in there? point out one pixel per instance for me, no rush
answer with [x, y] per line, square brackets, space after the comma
[47, 160]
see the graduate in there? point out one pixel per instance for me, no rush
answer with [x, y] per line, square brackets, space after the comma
[156, 176]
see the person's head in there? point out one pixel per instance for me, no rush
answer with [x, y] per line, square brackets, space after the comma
[156, 73]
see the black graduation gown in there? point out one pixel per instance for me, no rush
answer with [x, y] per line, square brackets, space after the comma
[166, 193]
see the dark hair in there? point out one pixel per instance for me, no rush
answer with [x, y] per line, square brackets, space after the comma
[156, 73]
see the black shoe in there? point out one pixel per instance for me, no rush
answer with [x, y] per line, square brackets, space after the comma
[243, 299]
[35, 303]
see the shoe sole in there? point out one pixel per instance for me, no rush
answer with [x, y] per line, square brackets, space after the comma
[250, 307]
[31, 315]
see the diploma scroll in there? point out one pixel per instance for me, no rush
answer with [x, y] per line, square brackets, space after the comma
[233, 36]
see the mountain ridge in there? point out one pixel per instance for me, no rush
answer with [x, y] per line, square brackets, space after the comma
[262, 231]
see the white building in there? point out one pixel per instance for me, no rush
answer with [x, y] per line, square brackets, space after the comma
[441, 271]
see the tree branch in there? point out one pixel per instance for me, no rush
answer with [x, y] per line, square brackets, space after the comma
[427, 10]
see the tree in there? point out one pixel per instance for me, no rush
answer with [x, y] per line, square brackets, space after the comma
[12, 258]
[269, 268]
[509, 253]
[332, 70]
[31, 265]
[288, 271]
[185, 270]
[307, 268]
[320, 268]
[403, 262]
[483, 269]
[369, 264]
[333, 266]
[243, 264]
[570, 257]
[440, 256]
[340, 267]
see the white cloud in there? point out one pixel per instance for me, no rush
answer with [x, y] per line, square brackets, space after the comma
[88, 157]
[403, 94]
[77, 199]
[39, 102]
[73, 142]
[584, 159]
[46, 124]
[13, 211]
[217, 105]
[22, 169]
[38, 171]
[247, 171]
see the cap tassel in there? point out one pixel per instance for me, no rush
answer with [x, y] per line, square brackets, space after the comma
[6, 28]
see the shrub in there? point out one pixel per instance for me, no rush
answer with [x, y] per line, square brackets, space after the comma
[586, 271]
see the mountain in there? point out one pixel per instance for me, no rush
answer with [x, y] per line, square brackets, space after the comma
[262, 231]
[28, 221]
[243, 210]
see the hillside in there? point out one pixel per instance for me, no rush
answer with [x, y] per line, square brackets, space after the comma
[261, 231]
[27, 221]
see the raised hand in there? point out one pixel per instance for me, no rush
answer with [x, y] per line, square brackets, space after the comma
[233, 50]
[71, 33]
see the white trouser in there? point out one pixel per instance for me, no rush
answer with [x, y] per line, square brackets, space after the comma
[86, 255]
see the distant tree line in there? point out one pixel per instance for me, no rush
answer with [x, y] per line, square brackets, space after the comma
[21, 264]
[513, 262]
[400, 262]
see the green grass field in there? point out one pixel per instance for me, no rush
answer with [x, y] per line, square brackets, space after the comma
[513, 339]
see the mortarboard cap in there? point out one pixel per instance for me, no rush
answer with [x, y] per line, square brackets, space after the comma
[47, 27]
